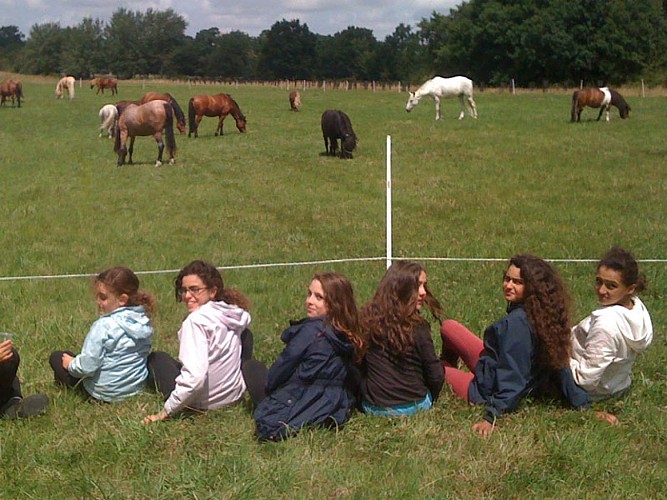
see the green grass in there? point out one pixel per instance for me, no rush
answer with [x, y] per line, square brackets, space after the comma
[520, 178]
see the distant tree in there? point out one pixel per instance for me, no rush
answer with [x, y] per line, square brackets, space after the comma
[42, 54]
[233, 55]
[11, 43]
[402, 56]
[287, 51]
[85, 54]
[353, 54]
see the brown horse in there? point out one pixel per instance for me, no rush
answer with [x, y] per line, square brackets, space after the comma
[151, 118]
[104, 83]
[603, 98]
[295, 101]
[214, 105]
[11, 88]
[180, 116]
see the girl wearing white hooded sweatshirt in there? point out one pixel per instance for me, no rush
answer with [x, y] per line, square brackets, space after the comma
[606, 343]
[207, 374]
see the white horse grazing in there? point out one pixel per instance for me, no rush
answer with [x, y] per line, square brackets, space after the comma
[108, 120]
[438, 87]
[66, 84]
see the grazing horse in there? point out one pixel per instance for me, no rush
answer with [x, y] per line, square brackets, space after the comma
[151, 118]
[11, 88]
[108, 120]
[214, 105]
[603, 98]
[295, 101]
[336, 125]
[104, 83]
[65, 84]
[178, 112]
[439, 87]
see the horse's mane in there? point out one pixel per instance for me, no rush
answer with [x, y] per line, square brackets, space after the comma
[238, 108]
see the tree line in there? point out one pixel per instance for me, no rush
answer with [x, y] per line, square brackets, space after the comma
[533, 42]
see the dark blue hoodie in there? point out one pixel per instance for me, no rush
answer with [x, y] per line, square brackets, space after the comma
[307, 385]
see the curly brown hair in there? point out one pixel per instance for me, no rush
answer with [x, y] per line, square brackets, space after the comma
[212, 278]
[547, 306]
[342, 311]
[121, 280]
[391, 316]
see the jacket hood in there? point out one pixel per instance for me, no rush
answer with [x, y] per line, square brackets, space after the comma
[133, 321]
[634, 324]
[340, 344]
[230, 315]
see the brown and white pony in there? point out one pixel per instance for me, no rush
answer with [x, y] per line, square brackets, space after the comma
[295, 101]
[65, 84]
[603, 98]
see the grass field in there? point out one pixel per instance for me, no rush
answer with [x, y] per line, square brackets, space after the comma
[521, 178]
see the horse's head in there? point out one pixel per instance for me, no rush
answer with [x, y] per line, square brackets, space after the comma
[180, 125]
[241, 122]
[413, 100]
[347, 145]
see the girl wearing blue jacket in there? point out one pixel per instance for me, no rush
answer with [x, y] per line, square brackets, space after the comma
[521, 352]
[112, 363]
[310, 382]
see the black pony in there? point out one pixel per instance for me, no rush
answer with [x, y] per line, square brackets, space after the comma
[336, 125]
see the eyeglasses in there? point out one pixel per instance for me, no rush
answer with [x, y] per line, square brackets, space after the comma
[194, 290]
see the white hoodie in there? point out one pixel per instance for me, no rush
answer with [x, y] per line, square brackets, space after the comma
[605, 345]
[210, 351]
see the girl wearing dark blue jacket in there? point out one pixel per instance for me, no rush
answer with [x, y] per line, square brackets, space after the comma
[526, 350]
[310, 384]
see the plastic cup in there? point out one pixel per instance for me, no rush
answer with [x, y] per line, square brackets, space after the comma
[5, 336]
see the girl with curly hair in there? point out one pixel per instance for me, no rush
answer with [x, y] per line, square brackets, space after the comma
[310, 382]
[606, 343]
[214, 341]
[521, 352]
[401, 373]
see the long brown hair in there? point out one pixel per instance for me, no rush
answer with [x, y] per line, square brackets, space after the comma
[212, 278]
[390, 317]
[121, 280]
[546, 302]
[341, 308]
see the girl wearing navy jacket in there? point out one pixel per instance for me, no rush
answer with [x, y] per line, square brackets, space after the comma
[520, 352]
[310, 384]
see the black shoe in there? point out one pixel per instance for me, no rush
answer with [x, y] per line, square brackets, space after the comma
[26, 407]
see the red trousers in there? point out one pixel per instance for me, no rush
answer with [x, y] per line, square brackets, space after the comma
[459, 342]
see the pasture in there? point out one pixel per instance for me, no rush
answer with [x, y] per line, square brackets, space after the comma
[521, 178]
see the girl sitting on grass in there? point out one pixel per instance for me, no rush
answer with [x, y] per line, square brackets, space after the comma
[401, 373]
[607, 342]
[311, 382]
[112, 363]
[521, 352]
[207, 375]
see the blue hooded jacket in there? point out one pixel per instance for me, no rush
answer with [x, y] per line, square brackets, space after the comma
[112, 362]
[308, 383]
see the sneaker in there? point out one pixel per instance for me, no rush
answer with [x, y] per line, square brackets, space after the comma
[26, 407]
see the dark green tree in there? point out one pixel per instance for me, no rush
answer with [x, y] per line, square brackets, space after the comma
[11, 43]
[42, 54]
[86, 53]
[287, 51]
[233, 56]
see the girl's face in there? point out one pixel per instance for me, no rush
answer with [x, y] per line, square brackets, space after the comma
[610, 288]
[316, 307]
[513, 286]
[421, 293]
[195, 293]
[107, 300]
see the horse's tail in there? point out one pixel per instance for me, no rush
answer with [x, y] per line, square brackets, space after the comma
[180, 116]
[575, 98]
[116, 138]
[19, 93]
[192, 116]
[169, 129]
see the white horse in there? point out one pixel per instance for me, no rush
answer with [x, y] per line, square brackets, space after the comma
[108, 120]
[65, 84]
[438, 87]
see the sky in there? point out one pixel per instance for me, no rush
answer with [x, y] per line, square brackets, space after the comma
[323, 17]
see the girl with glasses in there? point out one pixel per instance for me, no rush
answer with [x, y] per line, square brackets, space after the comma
[112, 364]
[207, 374]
